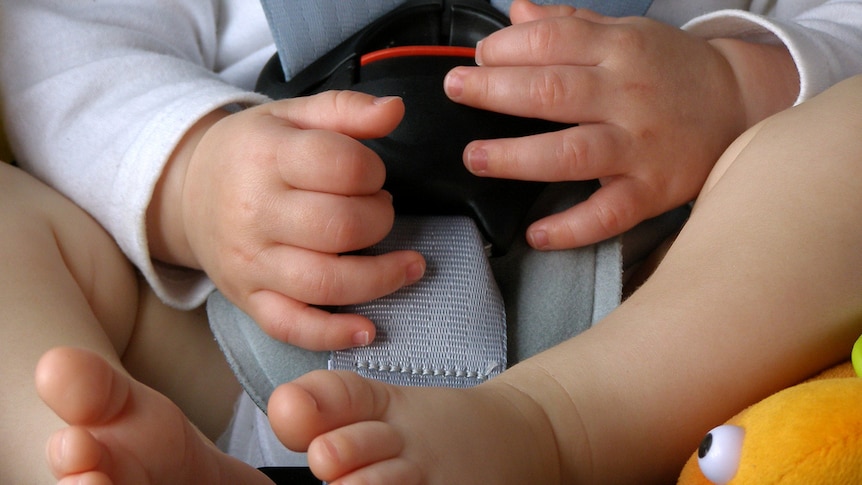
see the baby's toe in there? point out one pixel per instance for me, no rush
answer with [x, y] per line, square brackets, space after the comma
[352, 447]
[73, 451]
[80, 386]
[322, 401]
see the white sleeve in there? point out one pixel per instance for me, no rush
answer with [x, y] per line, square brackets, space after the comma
[825, 41]
[98, 94]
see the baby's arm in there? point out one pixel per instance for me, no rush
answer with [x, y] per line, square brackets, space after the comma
[657, 105]
[100, 110]
[101, 94]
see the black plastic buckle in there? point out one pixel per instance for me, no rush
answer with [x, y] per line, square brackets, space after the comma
[424, 154]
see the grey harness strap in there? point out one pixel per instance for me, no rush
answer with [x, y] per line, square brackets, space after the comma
[449, 328]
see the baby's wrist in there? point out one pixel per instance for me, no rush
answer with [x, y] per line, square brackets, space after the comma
[766, 74]
[166, 227]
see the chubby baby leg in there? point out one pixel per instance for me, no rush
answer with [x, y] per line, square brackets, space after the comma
[121, 431]
[63, 282]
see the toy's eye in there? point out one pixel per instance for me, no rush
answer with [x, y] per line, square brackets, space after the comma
[719, 453]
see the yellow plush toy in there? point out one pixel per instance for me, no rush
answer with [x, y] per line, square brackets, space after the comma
[808, 434]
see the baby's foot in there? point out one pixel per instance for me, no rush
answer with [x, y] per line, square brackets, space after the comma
[363, 431]
[122, 432]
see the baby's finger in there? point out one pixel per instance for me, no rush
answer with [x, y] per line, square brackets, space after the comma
[288, 320]
[355, 114]
[613, 209]
[583, 152]
[331, 279]
[567, 94]
[327, 161]
[595, 17]
[329, 223]
[526, 11]
[559, 40]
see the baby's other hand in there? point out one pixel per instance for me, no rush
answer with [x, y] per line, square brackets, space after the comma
[655, 108]
[273, 198]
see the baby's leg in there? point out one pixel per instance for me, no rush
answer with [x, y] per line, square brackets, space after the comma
[175, 353]
[124, 432]
[760, 290]
[63, 281]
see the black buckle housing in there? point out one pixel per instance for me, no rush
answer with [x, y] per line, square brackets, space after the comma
[424, 154]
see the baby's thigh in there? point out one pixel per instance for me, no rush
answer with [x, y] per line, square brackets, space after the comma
[61, 269]
[175, 352]
[62, 282]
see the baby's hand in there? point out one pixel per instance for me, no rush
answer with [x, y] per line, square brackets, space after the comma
[655, 108]
[273, 198]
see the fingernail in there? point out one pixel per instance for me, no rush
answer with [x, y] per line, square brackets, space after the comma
[539, 239]
[453, 84]
[477, 160]
[385, 99]
[362, 338]
[414, 272]
[479, 53]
